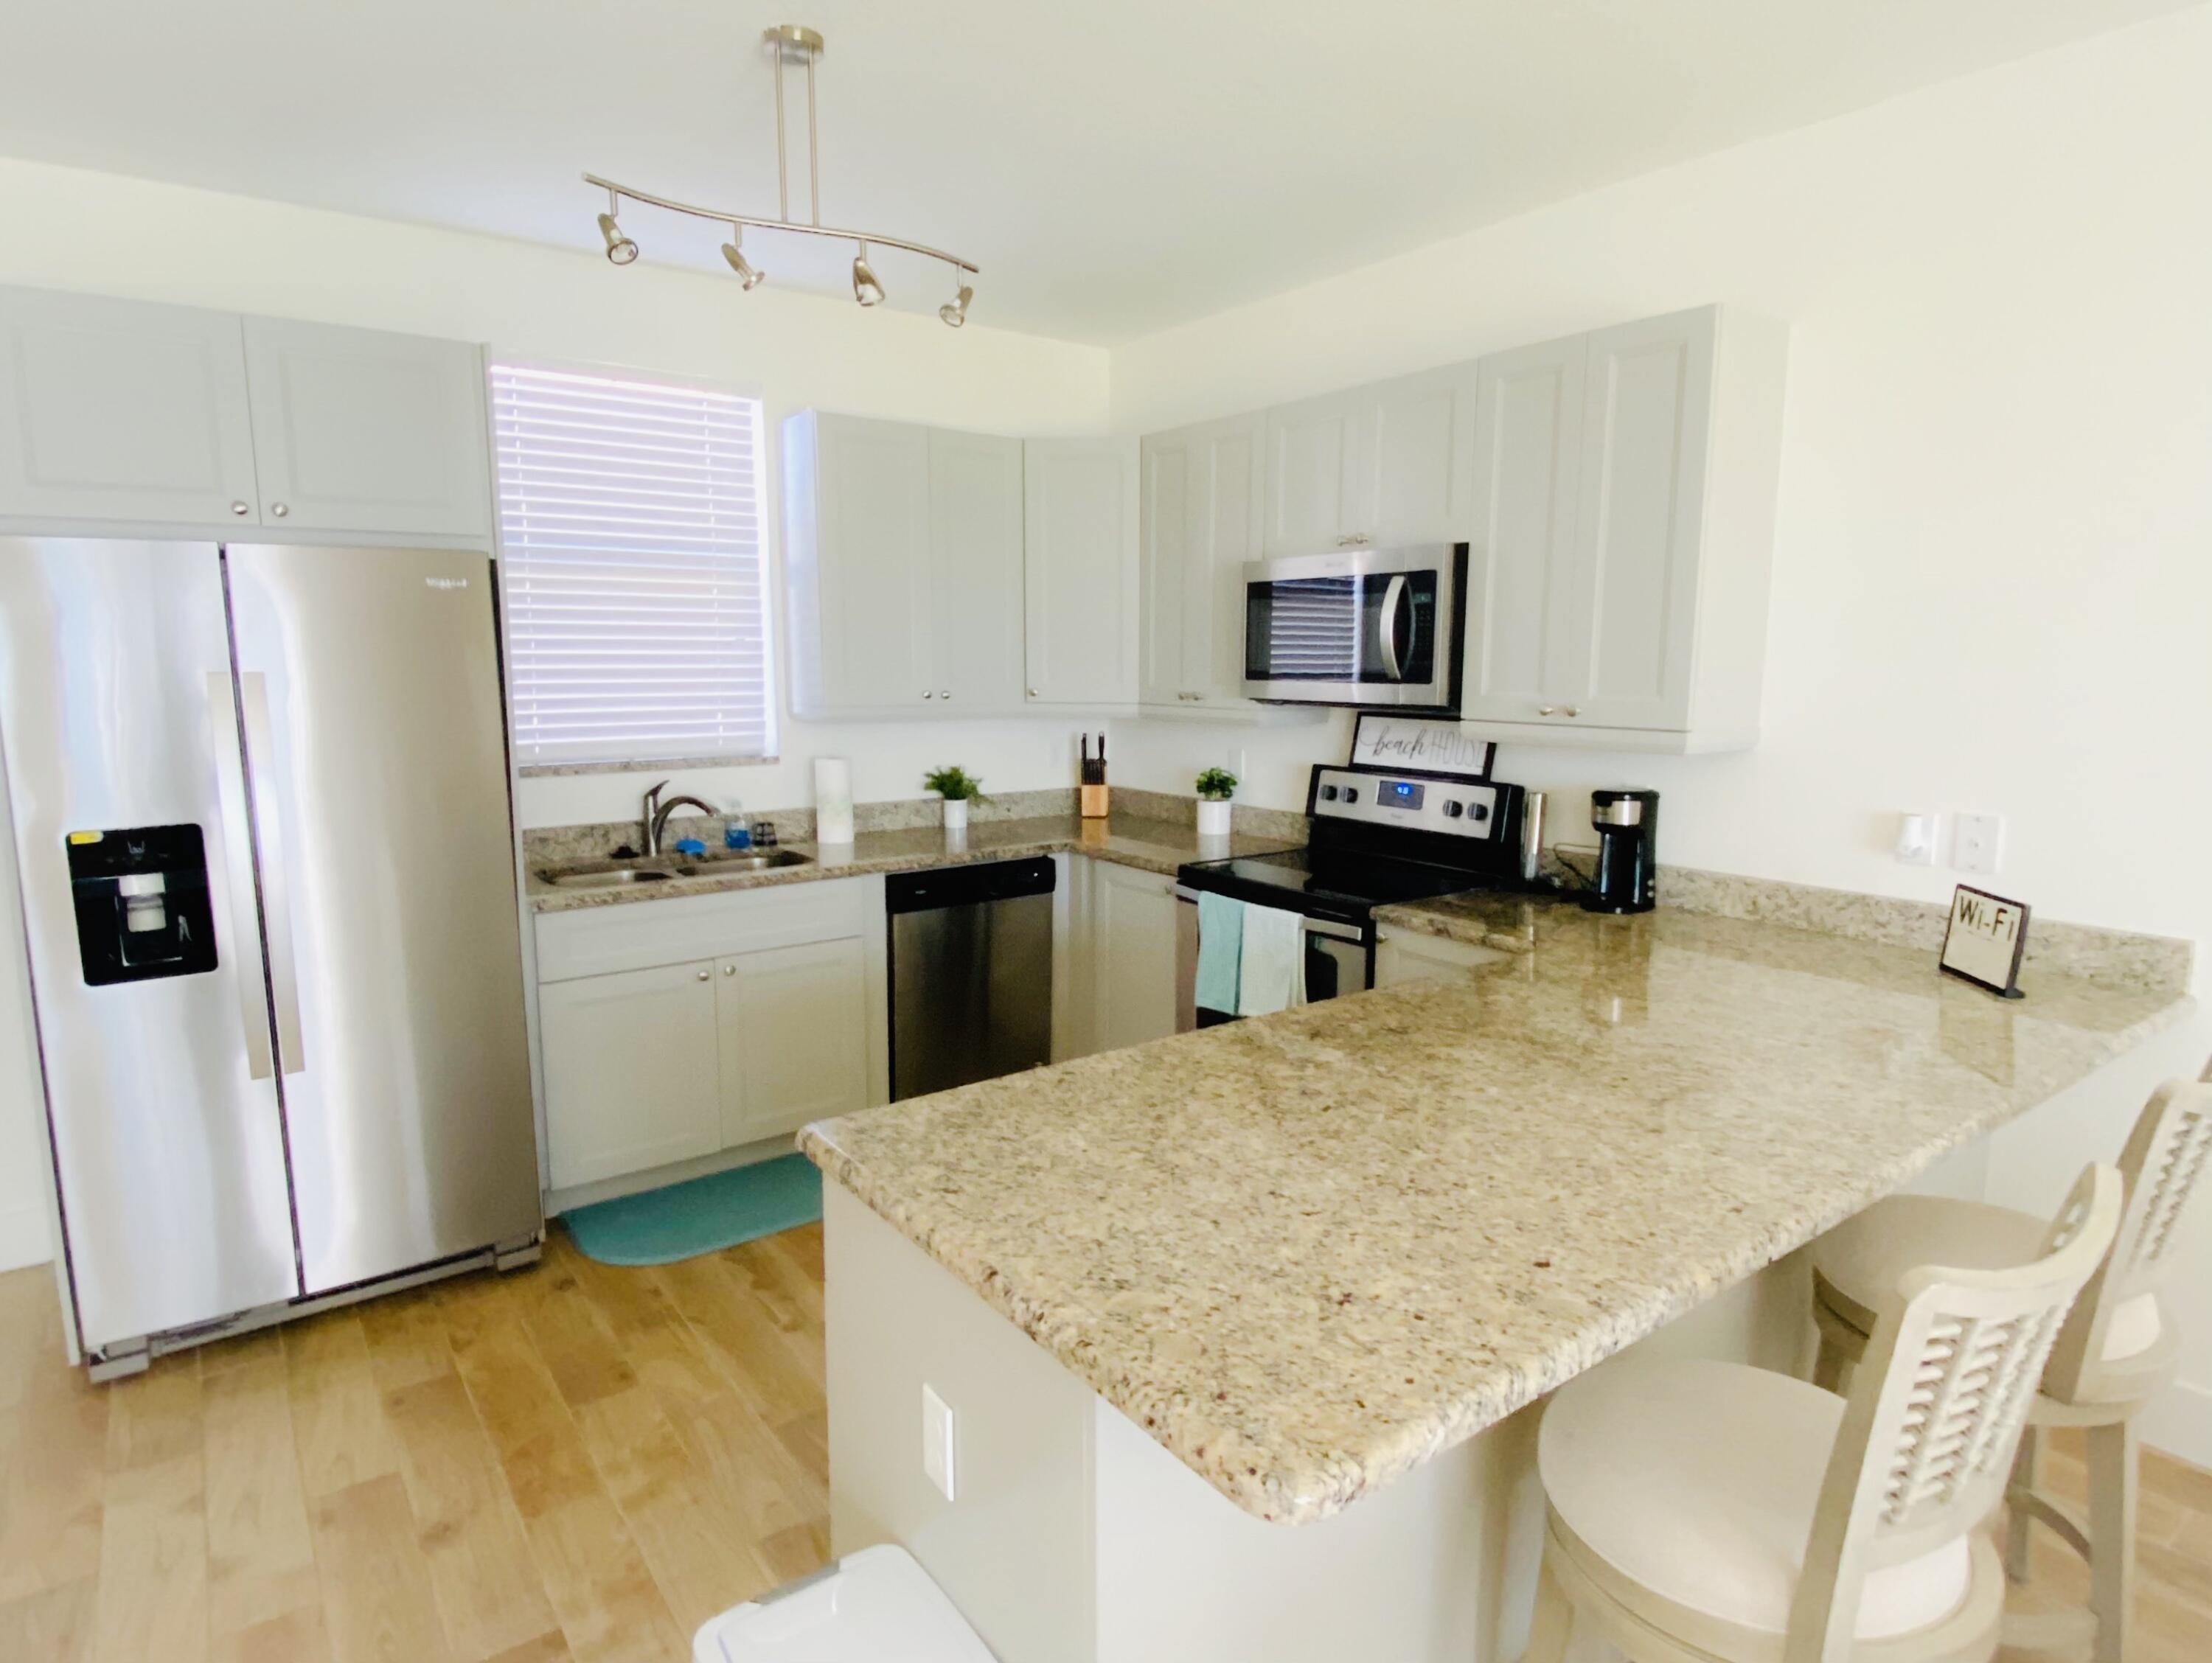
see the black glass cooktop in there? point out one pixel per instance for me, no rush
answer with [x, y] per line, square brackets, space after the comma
[1315, 881]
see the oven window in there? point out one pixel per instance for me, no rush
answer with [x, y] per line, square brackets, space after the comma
[1379, 627]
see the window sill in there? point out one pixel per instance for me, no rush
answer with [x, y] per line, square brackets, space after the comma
[545, 770]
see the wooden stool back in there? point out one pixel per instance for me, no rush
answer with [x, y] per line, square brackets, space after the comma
[2165, 1157]
[1935, 1412]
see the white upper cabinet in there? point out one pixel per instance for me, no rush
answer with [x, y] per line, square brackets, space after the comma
[1378, 466]
[1319, 476]
[359, 430]
[1079, 560]
[1528, 416]
[902, 553]
[856, 550]
[120, 411]
[1625, 519]
[1424, 457]
[975, 571]
[1203, 502]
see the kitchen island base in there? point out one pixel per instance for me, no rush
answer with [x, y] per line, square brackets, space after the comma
[1073, 1537]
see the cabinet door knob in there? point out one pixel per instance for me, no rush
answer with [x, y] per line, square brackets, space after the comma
[1572, 711]
[926, 693]
[1546, 710]
[703, 975]
[279, 510]
[1033, 692]
[240, 508]
[728, 970]
[946, 693]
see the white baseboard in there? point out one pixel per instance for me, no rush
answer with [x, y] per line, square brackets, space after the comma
[24, 1237]
[2179, 1421]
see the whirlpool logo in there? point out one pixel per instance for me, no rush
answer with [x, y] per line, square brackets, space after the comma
[445, 583]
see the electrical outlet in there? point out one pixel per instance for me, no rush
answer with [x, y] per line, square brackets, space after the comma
[1919, 835]
[1977, 844]
[941, 1435]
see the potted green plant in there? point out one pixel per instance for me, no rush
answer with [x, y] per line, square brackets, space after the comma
[1215, 787]
[959, 788]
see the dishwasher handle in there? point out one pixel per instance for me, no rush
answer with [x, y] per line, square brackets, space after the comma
[973, 885]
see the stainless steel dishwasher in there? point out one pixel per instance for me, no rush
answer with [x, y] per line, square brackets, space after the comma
[971, 972]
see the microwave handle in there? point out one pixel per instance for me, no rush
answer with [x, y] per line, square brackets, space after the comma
[1393, 596]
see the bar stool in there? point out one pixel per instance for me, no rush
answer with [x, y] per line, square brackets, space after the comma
[1711, 1511]
[2117, 1351]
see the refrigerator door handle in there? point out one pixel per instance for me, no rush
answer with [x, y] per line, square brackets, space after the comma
[235, 848]
[276, 895]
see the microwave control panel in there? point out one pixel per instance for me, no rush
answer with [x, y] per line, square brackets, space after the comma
[1458, 808]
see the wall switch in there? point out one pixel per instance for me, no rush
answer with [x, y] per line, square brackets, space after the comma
[940, 1434]
[1977, 844]
[1918, 835]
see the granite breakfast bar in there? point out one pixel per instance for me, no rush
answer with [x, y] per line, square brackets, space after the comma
[1314, 1269]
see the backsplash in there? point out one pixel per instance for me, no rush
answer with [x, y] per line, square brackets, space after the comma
[593, 839]
[2110, 958]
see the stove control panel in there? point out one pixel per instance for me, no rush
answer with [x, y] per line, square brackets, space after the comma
[1459, 808]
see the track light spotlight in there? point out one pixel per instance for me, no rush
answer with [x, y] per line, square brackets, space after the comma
[865, 289]
[954, 311]
[620, 249]
[733, 250]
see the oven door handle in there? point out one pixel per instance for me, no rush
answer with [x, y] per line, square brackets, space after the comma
[1393, 596]
[1332, 928]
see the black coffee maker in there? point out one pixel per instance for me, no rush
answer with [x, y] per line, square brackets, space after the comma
[1627, 877]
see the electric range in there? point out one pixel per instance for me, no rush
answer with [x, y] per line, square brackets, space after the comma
[1374, 839]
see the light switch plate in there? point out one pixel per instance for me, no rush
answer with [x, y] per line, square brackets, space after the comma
[1977, 844]
[939, 1440]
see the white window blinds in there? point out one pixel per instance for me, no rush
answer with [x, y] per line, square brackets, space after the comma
[630, 522]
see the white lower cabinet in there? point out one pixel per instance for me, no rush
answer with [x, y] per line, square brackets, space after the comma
[794, 1031]
[631, 1065]
[1132, 955]
[673, 1030]
[1405, 957]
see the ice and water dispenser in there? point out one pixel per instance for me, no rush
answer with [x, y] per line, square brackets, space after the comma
[142, 903]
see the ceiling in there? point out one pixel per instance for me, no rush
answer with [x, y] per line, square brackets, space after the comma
[1115, 166]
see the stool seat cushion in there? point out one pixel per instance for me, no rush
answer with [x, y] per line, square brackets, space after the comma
[1699, 1481]
[1865, 1258]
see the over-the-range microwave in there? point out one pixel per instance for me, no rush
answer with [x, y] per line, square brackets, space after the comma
[1356, 627]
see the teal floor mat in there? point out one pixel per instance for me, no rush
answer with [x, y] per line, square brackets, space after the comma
[699, 1215]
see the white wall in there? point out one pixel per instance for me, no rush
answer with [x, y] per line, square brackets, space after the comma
[105, 234]
[1993, 569]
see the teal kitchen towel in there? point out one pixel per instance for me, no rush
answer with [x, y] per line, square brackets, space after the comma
[1271, 972]
[1220, 944]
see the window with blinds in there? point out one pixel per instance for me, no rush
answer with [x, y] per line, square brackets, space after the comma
[629, 523]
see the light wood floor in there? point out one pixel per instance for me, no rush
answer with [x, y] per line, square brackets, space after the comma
[568, 1462]
[571, 1462]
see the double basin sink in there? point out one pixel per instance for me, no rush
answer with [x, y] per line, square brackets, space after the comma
[663, 869]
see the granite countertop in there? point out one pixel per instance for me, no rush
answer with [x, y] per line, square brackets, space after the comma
[1152, 845]
[1309, 1252]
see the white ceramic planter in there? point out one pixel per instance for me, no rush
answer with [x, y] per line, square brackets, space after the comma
[1213, 817]
[956, 814]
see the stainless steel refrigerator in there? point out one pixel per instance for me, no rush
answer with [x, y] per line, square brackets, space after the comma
[264, 842]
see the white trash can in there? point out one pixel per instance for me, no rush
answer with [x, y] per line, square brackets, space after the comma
[874, 1606]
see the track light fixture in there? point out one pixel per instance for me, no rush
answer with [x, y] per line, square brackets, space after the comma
[620, 249]
[865, 289]
[749, 275]
[794, 44]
